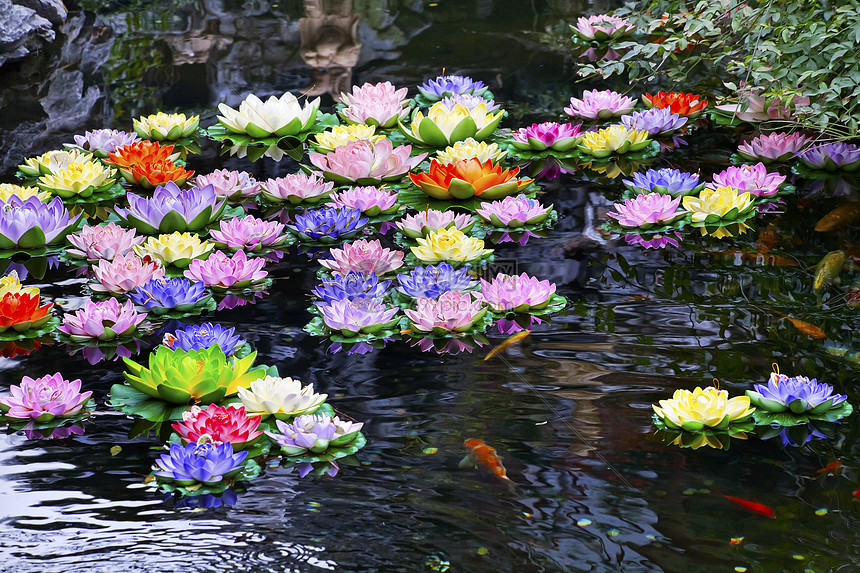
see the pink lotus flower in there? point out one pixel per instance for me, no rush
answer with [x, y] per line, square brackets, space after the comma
[248, 233]
[364, 256]
[514, 212]
[548, 135]
[644, 211]
[600, 105]
[453, 311]
[233, 185]
[514, 293]
[366, 163]
[653, 241]
[221, 424]
[602, 27]
[750, 179]
[103, 242]
[106, 320]
[756, 109]
[44, 399]
[371, 201]
[361, 315]
[222, 272]
[297, 188]
[420, 224]
[124, 273]
[776, 147]
[375, 104]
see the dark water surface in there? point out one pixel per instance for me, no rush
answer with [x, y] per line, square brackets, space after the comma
[569, 409]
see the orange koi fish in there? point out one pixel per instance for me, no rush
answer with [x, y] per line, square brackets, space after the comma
[768, 238]
[759, 508]
[507, 344]
[839, 217]
[829, 468]
[484, 458]
[805, 327]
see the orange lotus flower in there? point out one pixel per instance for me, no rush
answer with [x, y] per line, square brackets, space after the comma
[689, 105]
[21, 311]
[130, 155]
[154, 173]
[469, 178]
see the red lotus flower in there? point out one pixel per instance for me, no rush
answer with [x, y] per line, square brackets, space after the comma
[689, 105]
[219, 424]
[139, 152]
[469, 178]
[150, 174]
[15, 348]
[21, 311]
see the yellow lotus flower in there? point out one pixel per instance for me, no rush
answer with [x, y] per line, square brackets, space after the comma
[11, 284]
[79, 179]
[444, 126]
[450, 245]
[9, 189]
[699, 409]
[52, 162]
[721, 204]
[726, 231]
[276, 116]
[177, 249]
[718, 440]
[614, 139]
[166, 126]
[339, 135]
[469, 148]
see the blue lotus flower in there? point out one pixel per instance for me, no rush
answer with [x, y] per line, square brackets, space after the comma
[656, 121]
[447, 86]
[798, 394]
[668, 181]
[202, 336]
[328, 224]
[434, 280]
[199, 463]
[352, 285]
[162, 294]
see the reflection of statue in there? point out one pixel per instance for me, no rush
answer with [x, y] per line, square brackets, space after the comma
[330, 44]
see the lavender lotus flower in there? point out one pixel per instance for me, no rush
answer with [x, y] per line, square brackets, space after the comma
[600, 105]
[103, 242]
[351, 286]
[328, 224]
[314, 433]
[231, 185]
[105, 320]
[359, 315]
[431, 220]
[514, 212]
[171, 209]
[667, 181]
[447, 86]
[470, 102]
[31, 224]
[297, 188]
[202, 336]
[512, 293]
[371, 201]
[222, 272]
[434, 280]
[798, 394]
[832, 156]
[101, 142]
[776, 147]
[194, 463]
[559, 137]
[653, 241]
[750, 179]
[644, 211]
[656, 121]
[44, 399]
[248, 233]
[161, 295]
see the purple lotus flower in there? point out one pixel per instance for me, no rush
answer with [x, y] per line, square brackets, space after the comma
[434, 280]
[548, 135]
[105, 320]
[328, 224]
[514, 212]
[96, 353]
[655, 241]
[447, 86]
[199, 463]
[600, 105]
[163, 295]
[297, 188]
[248, 233]
[222, 272]
[750, 179]
[314, 433]
[832, 156]
[656, 121]
[776, 147]
[798, 394]
[667, 181]
[644, 211]
[30, 224]
[231, 185]
[514, 293]
[44, 399]
[371, 201]
[202, 336]
[517, 324]
[359, 315]
[172, 209]
[351, 286]
[101, 142]
[58, 433]
[470, 102]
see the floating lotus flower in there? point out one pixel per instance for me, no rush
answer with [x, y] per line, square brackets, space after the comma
[645, 211]
[470, 101]
[105, 320]
[832, 156]
[445, 125]
[559, 137]
[177, 249]
[363, 256]
[31, 224]
[231, 185]
[166, 126]
[44, 399]
[449, 245]
[434, 280]
[297, 188]
[700, 409]
[219, 425]
[329, 224]
[365, 163]
[222, 272]
[379, 105]
[719, 205]
[172, 209]
[613, 139]
[79, 180]
[469, 148]
[689, 105]
[358, 316]
[447, 86]
[276, 116]
[148, 163]
[280, 397]
[12, 284]
[654, 241]
[101, 142]
[199, 376]
[314, 433]
[52, 162]
[453, 311]
[7, 190]
[193, 464]
[339, 135]
[602, 27]
[656, 121]
[776, 147]
[667, 181]
[124, 273]
[600, 105]
[153, 174]
[350, 286]
[371, 201]
[162, 295]
[203, 336]
[798, 394]
[420, 224]
[248, 233]
[103, 242]
[20, 311]
[469, 178]
[750, 179]
[514, 212]
[512, 293]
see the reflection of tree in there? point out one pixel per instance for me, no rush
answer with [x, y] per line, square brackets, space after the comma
[330, 44]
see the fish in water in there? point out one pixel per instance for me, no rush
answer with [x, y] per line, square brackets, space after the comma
[805, 327]
[839, 217]
[759, 508]
[485, 459]
[507, 343]
[830, 468]
[828, 269]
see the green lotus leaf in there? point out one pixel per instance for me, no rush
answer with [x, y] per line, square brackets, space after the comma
[431, 134]
[460, 189]
[465, 129]
[172, 222]
[32, 238]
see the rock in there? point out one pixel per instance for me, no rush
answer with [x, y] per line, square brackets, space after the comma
[22, 31]
[52, 10]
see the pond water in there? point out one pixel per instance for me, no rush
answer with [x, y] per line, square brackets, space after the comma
[593, 487]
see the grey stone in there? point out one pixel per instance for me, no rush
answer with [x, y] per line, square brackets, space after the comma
[52, 10]
[22, 31]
